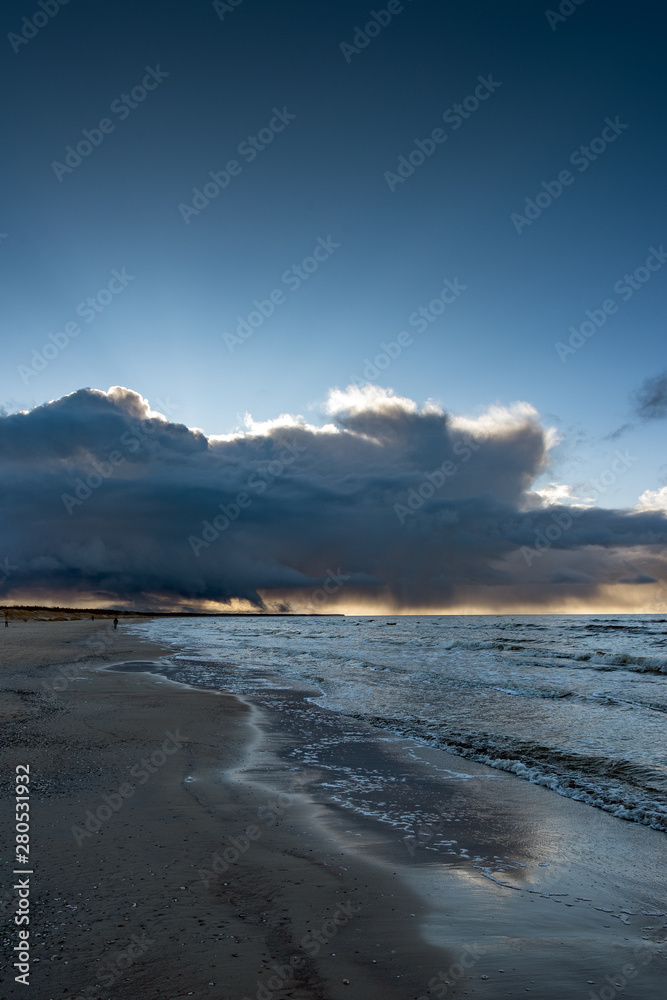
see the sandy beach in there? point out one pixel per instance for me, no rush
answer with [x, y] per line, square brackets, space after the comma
[333, 547]
[179, 848]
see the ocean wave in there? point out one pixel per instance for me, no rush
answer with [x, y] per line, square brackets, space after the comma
[619, 787]
[598, 660]
[630, 661]
[562, 694]
[492, 644]
[594, 659]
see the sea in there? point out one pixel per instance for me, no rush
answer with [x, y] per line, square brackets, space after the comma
[574, 703]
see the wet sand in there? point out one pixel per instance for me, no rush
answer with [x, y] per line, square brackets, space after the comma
[272, 849]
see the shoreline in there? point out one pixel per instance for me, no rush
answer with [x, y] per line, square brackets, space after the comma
[595, 770]
[136, 882]
[248, 793]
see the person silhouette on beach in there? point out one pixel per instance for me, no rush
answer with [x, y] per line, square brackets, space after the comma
[115, 623]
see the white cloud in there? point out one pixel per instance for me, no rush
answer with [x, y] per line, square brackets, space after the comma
[558, 493]
[360, 399]
[653, 500]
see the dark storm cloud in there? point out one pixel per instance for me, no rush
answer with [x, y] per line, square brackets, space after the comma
[650, 400]
[102, 498]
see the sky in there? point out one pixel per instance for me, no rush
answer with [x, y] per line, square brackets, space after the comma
[259, 217]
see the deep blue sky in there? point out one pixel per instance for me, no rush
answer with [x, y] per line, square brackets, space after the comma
[323, 176]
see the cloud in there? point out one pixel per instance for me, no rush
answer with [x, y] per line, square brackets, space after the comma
[569, 576]
[653, 500]
[556, 493]
[650, 400]
[388, 505]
